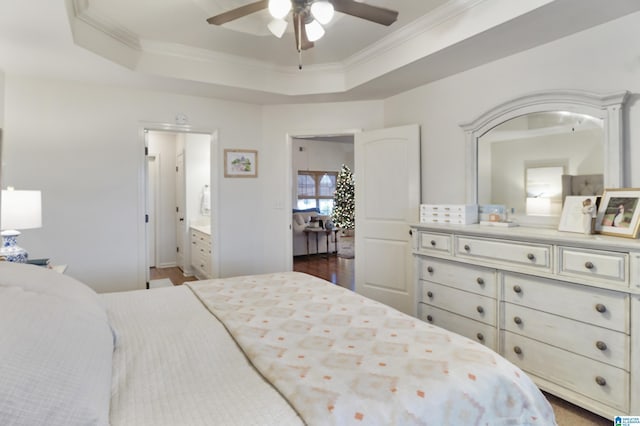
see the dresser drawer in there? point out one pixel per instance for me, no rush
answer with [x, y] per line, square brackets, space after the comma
[470, 305]
[601, 382]
[601, 265]
[434, 242]
[604, 308]
[474, 279]
[474, 330]
[536, 256]
[600, 344]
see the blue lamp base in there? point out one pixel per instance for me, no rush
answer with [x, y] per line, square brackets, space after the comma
[10, 251]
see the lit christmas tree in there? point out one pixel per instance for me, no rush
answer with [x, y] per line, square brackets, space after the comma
[344, 203]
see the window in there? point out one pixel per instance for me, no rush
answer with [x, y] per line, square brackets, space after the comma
[315, 190]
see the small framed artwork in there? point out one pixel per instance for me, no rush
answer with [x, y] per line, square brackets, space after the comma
[240, 163]
[578, 213]
[619, 212]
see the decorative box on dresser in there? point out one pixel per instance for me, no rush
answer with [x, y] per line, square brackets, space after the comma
[564, 307]
[201, 252]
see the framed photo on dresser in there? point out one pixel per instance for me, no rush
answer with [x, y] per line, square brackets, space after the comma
[619, 212]
[574, 210]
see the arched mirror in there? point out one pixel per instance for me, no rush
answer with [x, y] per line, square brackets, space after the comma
[529, 153]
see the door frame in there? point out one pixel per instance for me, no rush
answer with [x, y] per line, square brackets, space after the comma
[289, 137]
[155, 165]
[143, 187]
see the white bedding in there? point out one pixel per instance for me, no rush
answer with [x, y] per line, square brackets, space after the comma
[174, 364]
[341, 358]
[166, 360]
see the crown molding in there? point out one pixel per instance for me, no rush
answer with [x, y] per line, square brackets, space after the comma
[83, 12]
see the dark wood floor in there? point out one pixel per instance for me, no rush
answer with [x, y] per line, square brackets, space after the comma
[332, 268]
[174, 274]
[338, 270]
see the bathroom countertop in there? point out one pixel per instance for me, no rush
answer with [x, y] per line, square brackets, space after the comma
[202, 228]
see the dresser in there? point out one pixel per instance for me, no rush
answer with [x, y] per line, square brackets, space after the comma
[201, 252]
[563, 307]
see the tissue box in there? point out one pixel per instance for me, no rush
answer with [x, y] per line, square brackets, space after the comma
[449, 214]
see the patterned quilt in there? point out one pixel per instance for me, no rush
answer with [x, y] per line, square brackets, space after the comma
[342, 359]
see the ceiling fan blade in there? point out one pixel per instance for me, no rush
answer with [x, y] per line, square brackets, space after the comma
[371, 13]
[302, 42]
[239, 12]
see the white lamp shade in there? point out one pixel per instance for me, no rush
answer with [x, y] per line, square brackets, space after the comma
[20, 210]
[277, 27]
[322, 11]
[314, 30]
[279, 8]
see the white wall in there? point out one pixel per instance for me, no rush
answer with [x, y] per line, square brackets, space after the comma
[603, 59]
[198, 174]
[1, 126]
[81, 145]
[1, 104]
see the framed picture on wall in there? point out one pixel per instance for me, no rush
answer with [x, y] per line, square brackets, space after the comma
[619, 212]
[240, 163]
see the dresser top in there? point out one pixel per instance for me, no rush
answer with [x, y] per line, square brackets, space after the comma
[540, 235]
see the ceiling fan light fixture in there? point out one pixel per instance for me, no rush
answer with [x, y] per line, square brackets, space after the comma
[314, 30]
[279, 8]
[323, 11]
[277, 27]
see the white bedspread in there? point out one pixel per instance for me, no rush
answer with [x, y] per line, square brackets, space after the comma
[342, 359]
[175, 364]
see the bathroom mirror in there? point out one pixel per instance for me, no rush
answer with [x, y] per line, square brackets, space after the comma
[518, 151]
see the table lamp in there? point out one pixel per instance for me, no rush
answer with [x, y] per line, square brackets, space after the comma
[18, 210]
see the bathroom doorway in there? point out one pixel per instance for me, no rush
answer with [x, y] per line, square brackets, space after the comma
[180, 181]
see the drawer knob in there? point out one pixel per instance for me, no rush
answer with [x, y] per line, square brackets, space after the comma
[601, 308]
[531, 256]
[430, 294]
[517, 320]
[433, 243]
[480, 281]
[517, 350]
[429, 318]
[480, 309]
[430, 269]
[480, 337]
[517, 289]
[601, 381]
[467, 248]
[589, 265]
[601, 345]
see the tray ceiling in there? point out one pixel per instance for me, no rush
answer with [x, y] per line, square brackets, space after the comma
[169, 44]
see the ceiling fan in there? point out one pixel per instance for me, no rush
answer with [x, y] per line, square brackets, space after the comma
[308, 16]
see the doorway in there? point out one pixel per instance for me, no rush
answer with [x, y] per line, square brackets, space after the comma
[316, 161]
[179, 168]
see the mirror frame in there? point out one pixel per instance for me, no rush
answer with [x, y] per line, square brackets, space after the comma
[608, 108]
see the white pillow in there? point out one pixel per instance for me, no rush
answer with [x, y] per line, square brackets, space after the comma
[56, 349]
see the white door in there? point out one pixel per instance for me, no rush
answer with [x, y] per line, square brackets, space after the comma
[387, 193]
[152, 173]
[181, 202]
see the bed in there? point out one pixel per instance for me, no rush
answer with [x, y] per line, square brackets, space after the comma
[273, 349]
